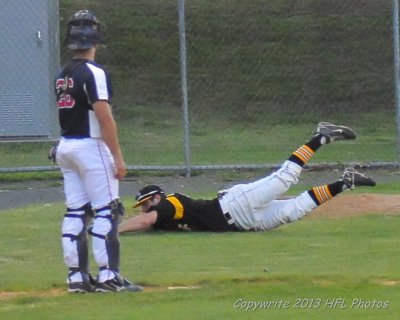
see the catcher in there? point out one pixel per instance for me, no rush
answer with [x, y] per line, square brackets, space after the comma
[247, 207]
[91, 161]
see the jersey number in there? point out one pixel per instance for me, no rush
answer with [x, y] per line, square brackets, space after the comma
[64, 100]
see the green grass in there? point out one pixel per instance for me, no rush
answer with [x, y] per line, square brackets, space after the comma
[155, 137]
[315, 258]
[246, 58]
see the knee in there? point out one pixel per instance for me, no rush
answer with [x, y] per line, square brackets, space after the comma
[298, 207]
[289, 172]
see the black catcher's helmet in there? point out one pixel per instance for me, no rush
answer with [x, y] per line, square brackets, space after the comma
[83, 31]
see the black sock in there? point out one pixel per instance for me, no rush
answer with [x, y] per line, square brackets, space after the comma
[315, 142]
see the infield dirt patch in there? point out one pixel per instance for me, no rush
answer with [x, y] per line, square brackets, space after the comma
[358, 204]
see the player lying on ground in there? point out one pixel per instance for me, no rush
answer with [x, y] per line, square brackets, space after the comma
[247, 207]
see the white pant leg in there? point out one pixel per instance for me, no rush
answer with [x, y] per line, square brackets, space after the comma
[280, 212]
[244, 200]
[74, 191]
[74, 188]
[263, 191]
[88, 169]
[98, 174]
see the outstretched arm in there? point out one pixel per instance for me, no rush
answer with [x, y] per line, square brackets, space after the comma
[141, 222]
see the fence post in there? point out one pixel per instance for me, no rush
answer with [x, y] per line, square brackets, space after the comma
[396, 54]
[185, 106]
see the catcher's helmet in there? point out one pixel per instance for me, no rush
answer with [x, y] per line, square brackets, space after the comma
[147, 193]
[83, 31]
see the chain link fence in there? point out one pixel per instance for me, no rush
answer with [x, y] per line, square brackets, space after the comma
[259, 76]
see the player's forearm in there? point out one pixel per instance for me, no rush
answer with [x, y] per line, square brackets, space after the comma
[134, 224]
[110, 137]
[108, 128]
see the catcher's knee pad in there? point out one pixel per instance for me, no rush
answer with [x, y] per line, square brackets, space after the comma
[74, 237]
[105, 233]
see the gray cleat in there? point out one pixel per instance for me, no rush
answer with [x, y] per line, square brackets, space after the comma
[118, 284]
[80, 287]
[86, 285]
[335, 132]
[129, 286]
[352, 178]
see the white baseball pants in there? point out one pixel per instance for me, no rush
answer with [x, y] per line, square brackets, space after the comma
[253, 206]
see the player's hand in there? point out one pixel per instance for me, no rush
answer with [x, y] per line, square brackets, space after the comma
[52, 154]
[120, 168]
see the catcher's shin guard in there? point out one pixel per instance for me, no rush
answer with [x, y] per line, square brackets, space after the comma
[74, 238]
[105, 233]
[112, 240]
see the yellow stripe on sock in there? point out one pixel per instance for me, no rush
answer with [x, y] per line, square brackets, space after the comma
[322, 193]
[316, 193]
[304, 153]
[327, 192]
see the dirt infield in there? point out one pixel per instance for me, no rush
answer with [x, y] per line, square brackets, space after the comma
[358, 204]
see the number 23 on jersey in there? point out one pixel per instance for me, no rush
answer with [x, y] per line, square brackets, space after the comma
[64, 100]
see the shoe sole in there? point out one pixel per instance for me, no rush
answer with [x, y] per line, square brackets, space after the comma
[346, 133]
[119, 290]
[330, 130]
[77, 291]
[364, 181]
[104, 291]
[101, 290]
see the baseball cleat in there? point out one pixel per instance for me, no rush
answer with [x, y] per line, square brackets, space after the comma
[80, 287]
[87, 284]
[333, 132]
[109, 286]
[117, 284]
[352, 178]
[129, 286]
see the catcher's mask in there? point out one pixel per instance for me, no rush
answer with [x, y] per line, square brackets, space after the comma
[147, 193]
[83, 31]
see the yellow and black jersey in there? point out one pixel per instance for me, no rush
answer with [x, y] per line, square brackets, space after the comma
[177, 212]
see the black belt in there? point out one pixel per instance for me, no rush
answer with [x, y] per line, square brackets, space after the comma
[227, 215]
[229, 218]
[231, 222]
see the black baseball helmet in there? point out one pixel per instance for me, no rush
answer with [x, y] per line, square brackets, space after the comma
[83, 31]
[147, 193]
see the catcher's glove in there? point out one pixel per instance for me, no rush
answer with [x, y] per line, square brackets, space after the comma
[53, 153]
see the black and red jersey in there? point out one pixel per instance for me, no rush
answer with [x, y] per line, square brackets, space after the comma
[81, 83]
